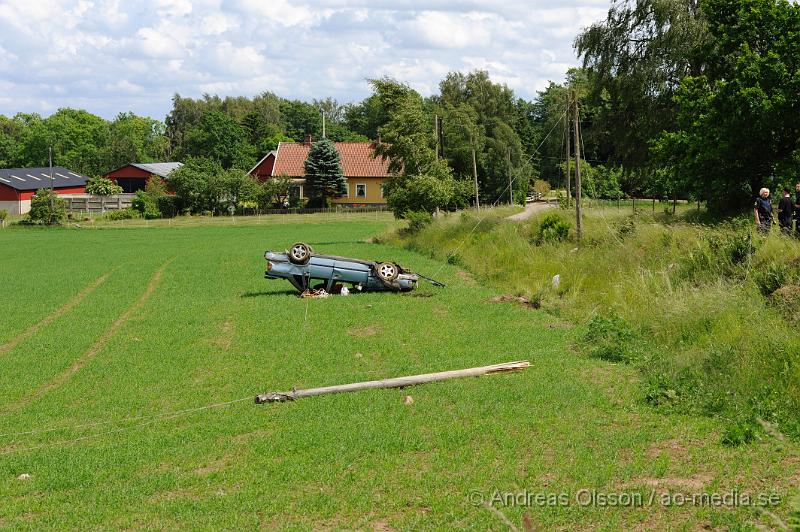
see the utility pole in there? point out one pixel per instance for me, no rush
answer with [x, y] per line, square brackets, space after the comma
[52, 188]
[436, 132]
[510, 181]
[578, 206]
[475, 173]
[323, 122]
[440, 137]
[566, 126]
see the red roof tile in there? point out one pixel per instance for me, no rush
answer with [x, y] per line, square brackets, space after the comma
[357, 159]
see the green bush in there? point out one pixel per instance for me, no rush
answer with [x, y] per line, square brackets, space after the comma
[552, 228]
[169, 206]
[417, 220]
[424, 193]
[604, 182]
[610, 338]
[146, 205]
[122, 214]
[101, 186]
[46, 208]
[3, 214]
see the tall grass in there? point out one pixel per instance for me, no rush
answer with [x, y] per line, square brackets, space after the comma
[706, 311]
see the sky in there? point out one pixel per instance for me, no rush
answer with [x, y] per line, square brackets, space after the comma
[112, 56]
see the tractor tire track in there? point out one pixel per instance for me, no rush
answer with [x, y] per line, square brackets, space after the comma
[47, 320]
[101, 342]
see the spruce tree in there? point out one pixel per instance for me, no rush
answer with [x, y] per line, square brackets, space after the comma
[324, 177]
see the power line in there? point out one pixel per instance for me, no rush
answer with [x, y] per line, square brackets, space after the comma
[150, 421]
[123, 420]
[502, 193]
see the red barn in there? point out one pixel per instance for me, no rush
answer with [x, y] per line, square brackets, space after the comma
[134, 176]
[18, 185]
[263, 168]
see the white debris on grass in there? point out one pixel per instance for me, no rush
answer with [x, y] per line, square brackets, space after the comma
[315, 294]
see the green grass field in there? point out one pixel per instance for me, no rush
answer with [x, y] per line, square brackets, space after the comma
[129, 359]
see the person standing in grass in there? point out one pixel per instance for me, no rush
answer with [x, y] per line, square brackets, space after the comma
[785, 209]
[763, 211]
[797, 209]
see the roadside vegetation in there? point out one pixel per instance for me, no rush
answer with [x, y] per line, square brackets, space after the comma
[708, 313]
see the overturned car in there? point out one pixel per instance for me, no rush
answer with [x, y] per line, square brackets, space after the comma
[300, 265]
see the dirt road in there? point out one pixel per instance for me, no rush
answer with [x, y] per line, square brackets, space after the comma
[531, 209]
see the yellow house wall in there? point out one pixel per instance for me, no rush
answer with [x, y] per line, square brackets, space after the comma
[374, 196]
[373, 191]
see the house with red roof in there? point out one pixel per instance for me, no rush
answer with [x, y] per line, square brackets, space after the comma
[364, 172]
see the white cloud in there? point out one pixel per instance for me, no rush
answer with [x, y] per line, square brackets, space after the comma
[240, 62]
[110, 56]
[441, 29]
[217, 24]
[282, 12]
[158, 44]
[173, 8]
[126, 86]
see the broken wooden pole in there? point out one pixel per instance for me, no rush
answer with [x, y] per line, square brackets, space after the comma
[397, 382]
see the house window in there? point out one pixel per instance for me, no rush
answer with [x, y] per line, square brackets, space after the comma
[361, 190]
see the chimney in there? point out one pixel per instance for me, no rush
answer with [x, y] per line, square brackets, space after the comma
[308, 139]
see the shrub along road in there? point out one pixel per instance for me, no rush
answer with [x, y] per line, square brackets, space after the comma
[213, 331]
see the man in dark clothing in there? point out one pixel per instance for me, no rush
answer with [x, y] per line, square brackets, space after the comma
[797, 209]
[763, 211]
[785, 208]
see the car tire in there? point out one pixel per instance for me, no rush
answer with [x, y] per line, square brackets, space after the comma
[299, 253]
[387, 271]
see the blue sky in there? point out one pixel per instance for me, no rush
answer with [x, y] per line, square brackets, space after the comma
[110, 56]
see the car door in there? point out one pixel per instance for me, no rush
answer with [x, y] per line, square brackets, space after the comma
[320, 267]
[350, 271]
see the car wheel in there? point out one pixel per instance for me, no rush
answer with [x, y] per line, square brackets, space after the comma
[387, 272]
[299, 253]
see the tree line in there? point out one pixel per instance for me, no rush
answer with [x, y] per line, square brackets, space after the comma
[695, 99]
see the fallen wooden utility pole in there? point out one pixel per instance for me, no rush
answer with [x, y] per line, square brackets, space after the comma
[398, 382]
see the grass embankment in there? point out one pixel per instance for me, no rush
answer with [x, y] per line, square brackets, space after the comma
[707, 312]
